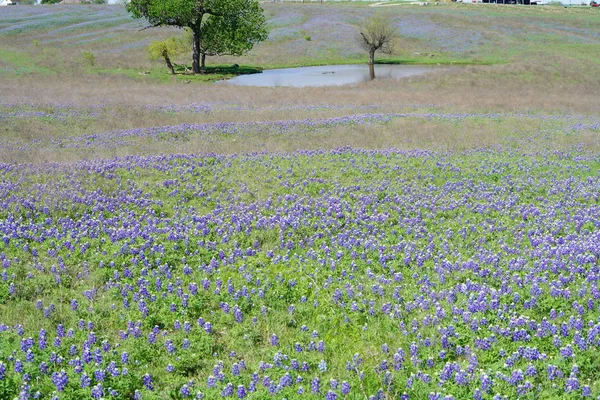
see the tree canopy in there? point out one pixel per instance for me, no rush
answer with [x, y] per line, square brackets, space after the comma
[218, 27]
[165, 49]
[378, 33]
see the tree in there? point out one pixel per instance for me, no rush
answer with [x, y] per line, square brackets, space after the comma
[166, 49]
[217, 27]
[233, 35]
[377, 34]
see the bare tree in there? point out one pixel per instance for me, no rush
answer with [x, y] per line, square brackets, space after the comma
[377, 34]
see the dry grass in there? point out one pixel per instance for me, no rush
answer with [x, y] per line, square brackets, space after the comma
[440, 134]
[559, 77]
[478, 88]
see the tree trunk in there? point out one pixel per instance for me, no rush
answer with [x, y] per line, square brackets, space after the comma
[168, 61]
[195, 52]
[203, 63]
[372, 64]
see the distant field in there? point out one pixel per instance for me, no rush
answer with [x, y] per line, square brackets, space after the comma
[514, 58]
[434, 237]
[53, 37]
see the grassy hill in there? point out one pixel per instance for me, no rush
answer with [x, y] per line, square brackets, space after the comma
[434, 237]
[53, 38]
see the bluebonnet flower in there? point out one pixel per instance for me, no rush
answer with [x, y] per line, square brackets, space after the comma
[315, 385]
[571, 384]
[211, 381]
[18, 366]
[321, 346]
[286, 380]
[241, 391]
[345, 389]
[185, 391]
[531, 370]
[147, 381]
[99, 375]
[516, 377]
[586, 391]
[227, 390]
[322, 366]
[84, 380]
[60, 380]
[97, 391]
[567, 351]
[486, 383]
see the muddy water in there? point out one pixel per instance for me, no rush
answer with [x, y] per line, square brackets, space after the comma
[331, 75]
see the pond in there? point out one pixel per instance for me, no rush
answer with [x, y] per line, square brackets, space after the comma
[330, 75]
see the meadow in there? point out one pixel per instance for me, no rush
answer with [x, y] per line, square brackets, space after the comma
[434, 237]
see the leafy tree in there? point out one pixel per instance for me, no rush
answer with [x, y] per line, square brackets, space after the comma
[233, 35]
[218, 27]
[377, 34]
[166, 49]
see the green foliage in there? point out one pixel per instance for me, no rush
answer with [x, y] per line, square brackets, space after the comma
[8, 388]
[4, 294]
[180, 13]
[157, 48]
[172, 46]
[300, 281]
[307, 38]
[217, 27]
[378, 34]
[234, 34]
[50, 1]
[88, 58]
[165, 49]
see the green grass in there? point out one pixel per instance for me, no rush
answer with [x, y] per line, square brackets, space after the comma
[215, 73]
[156, 74]
[416, 195]
[493, 157]
[20, 63]
[505, 35]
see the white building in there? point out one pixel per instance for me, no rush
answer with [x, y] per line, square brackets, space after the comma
[7, 3]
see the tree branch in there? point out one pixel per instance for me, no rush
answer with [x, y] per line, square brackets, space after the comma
[148, 27]
[365, 39]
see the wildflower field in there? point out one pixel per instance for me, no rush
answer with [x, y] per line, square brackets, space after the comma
[312, 274]
[431, 238]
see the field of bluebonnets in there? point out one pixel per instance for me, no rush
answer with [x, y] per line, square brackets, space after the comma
[431, 238]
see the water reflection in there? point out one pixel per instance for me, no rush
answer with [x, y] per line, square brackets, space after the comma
[329, 75]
